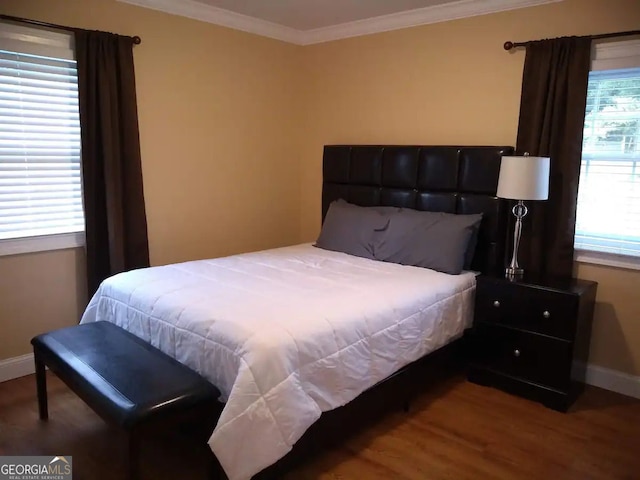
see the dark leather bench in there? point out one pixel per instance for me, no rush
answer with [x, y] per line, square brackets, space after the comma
[125, 380]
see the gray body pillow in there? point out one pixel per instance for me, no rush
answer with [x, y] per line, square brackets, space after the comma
[435, 240]
[440, 241]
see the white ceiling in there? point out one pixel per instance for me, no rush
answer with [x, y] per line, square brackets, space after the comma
[310, 14]
[305, 22]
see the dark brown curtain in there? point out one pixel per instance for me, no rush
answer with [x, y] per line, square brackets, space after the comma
[552, 110]
[116, 225]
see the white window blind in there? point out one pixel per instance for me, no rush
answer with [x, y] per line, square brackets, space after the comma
[40, 185]
[608, 212]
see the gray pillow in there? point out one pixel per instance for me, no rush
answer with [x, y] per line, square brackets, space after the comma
[433, 240]
[352, 229]
[471, 248]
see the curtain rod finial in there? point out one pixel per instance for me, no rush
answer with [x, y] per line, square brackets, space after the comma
[137, 40]
[508, 45]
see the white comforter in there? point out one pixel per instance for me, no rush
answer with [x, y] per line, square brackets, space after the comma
[285, 334]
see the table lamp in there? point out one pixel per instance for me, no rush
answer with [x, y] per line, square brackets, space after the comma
[522, 178]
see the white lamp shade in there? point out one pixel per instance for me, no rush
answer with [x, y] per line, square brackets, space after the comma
[524, 178]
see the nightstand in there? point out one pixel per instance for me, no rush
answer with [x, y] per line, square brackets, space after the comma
[527, 334]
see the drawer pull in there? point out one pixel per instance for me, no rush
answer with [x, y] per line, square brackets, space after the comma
[496, 303]
[516, 352]
[546, 314]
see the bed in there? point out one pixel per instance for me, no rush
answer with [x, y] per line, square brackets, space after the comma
[290, 333]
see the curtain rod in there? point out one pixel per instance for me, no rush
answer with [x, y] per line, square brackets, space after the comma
[136, 40]
[510, 45]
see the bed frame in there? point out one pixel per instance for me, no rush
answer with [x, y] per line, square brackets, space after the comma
[450, 179]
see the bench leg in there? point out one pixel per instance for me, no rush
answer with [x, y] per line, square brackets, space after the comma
[41, 385]
[133, 455]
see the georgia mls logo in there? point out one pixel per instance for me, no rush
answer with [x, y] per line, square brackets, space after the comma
[63, 463]
[36, 468]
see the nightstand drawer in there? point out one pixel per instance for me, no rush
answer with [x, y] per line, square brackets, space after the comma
[532, 357]
[543, 311]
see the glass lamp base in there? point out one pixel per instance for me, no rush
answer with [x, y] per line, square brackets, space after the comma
[511, 272]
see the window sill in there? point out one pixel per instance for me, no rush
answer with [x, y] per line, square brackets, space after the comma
[608, 259]
[45, 243]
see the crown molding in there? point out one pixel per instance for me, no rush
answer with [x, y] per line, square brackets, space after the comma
[384, 23]
[414, 18]
[222, 17]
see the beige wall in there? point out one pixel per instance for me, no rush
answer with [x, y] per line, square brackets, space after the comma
[231, 119]
[452, 83]
[218, 128]
[615, 339]
[39, 292]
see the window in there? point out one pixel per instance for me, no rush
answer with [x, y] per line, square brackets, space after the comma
[608, 213]
[40, 185]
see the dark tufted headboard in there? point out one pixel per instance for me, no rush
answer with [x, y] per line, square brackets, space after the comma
[436, 178]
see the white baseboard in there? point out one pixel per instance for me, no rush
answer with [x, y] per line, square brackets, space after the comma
[16, 367]
[597, 376]
[613, 380]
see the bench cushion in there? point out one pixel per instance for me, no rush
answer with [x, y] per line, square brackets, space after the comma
[123, 378]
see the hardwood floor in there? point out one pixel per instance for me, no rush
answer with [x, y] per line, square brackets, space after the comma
[455, 430]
